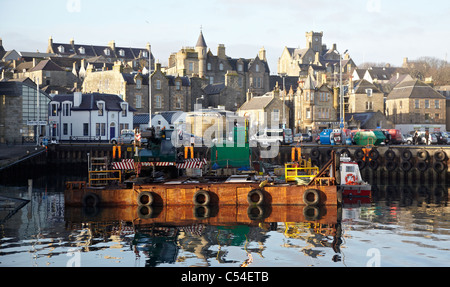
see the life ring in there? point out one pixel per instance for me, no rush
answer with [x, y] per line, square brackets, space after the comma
[311, 197]
[90, 200]
[389, 155]
[350, 179]
[201, 197]
[145, 198]
[255, 197]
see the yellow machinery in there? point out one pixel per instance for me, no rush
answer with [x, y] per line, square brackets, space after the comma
[299, 168]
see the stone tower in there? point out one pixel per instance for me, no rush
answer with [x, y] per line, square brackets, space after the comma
[314, 40]
[200, 48]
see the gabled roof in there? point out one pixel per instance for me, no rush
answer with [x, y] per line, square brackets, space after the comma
[257, 103]
[89, 101]
[213, 89]
[414, 89]
[361, 86]
[46, 65]
[309, 83]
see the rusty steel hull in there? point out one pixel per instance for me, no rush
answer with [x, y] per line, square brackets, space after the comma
[220, 194]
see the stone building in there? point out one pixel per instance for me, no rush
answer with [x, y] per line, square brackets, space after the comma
[414, 105]
[19, 105]
[315, 107]
[363, 97]
[245, 75]
[314, 59]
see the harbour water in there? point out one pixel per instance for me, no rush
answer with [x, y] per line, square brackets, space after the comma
[386, 231]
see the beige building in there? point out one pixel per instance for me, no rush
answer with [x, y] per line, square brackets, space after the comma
[364, 97]
[414, 105]
[265, 111]
[314, 107]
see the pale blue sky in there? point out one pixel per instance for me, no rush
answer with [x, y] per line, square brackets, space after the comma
[372, 30]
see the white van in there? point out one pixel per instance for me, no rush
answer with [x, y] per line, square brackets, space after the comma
[269, 137]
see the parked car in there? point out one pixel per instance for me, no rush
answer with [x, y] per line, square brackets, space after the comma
[442, 137]
[302, 137]
[421, 139]
[268, 137]
[126, 137]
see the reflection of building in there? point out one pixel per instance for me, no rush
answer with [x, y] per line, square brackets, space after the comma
[18, 105]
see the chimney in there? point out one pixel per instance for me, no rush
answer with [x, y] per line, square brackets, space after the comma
[77, 99]
[72, 42]
[34, 62]
[112, 45]
[1, 42]
[221, 51]
[262, 54]
[118, 67]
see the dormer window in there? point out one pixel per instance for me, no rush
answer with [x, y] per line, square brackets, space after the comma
[221, 66]
[369, 92]
[82, 50]
[61, 49]
[100, 106]
[66, 107]
[240, 67]
[124, 109]
[107, 52]
[145, 54]
[257, 68]
[122, 53]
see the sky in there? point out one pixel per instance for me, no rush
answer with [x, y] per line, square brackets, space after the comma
[380, 31]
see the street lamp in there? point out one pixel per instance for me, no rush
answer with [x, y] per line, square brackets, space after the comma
[283, 75]
[341, 91]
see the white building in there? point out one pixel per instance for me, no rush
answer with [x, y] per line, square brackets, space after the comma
[91, 116]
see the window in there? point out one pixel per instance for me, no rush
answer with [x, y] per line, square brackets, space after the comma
[100, 129]
[436, 104]
[308, 113]
[178, 85]
[54, 110]
[158, 102]
[427, 104]
[191, 66]
[82, 50]
[369, 106]
[257, 68]
[122, 53]
[158, 84]
[138, 102]
[66, 110]
[138, 83]
[258, 82]
[61, 49]
[208, 66]
[221, 66]
[276, 114]
[65, 132]
[240, 68]
[427, 116]
[211, 80]
[437, 116]
[85, 129]
[145, 54]
[369, 92]
[401, 105]
[416, 104]
[100, 109]
[178, 102]
[125, 108]
[107, 52]
[124, 126]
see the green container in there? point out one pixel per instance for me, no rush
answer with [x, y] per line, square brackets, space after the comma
[380, 137]
[232, 155]
[369, 138]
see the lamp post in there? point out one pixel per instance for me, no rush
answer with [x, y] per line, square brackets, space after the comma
[341, 92]
[149, 86]
[283, 75]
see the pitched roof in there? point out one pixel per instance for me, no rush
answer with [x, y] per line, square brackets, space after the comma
[89, 101]
[257, 103]
[414, 89]
[46, 65]
[201, 41]
[309, 83]
[361, 86]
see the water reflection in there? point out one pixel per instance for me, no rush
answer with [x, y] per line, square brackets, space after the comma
[409, 225]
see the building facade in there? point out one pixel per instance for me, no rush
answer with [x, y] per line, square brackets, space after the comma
[88, 116]
[414, 105]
